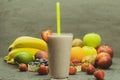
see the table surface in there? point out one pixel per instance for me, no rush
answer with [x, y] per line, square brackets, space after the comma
[11, 72]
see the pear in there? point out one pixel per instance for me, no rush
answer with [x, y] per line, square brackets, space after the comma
[77, 42]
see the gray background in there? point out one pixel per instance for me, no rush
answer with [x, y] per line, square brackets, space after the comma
[30, 17]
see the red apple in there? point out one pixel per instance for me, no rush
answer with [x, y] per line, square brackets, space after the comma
[105, 48]
[103, 60]
[41, 54]
[101, 54]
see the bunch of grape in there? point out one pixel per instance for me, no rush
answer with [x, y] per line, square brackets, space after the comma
[38, 62]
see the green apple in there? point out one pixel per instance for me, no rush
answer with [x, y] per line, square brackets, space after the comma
[90, 51]
[92, 39]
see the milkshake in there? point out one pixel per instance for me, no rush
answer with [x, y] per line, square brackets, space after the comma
[59, 48]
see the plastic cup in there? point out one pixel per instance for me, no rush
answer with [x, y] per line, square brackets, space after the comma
[59, 48]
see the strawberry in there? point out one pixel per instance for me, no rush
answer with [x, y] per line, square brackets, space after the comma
[23, 67]
[45, 34]
[71, 63]
[90, 69]
[75, 61]
[43, 70]
[72, 70]
[99, 74]
[84, 66]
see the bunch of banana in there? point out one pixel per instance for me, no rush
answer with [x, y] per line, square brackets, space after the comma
[10, 57]
[27, 44]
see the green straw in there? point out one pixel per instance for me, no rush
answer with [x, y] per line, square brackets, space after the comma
[58, 17]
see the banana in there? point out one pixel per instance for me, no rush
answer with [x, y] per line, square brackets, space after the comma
[10, 57]
[28, 42]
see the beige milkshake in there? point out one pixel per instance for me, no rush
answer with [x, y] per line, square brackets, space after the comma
[59, 47]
